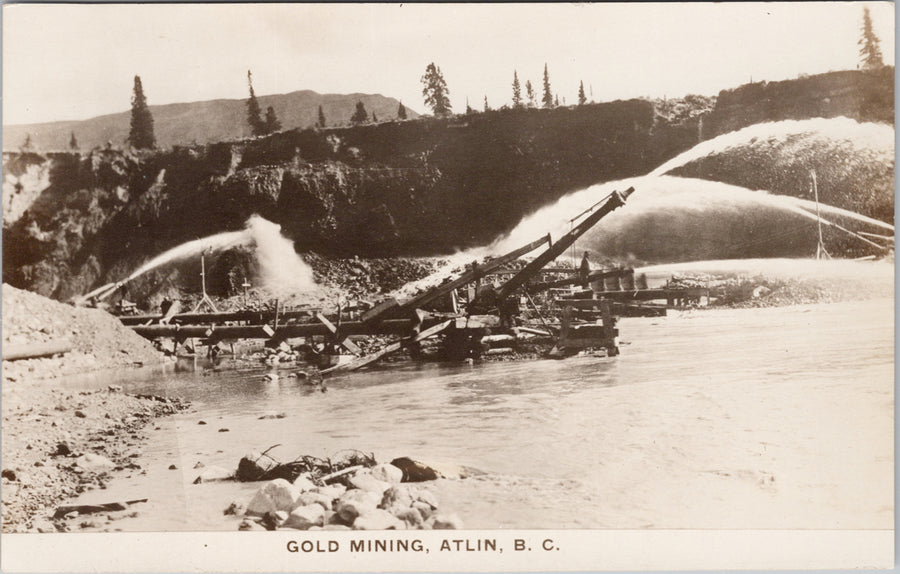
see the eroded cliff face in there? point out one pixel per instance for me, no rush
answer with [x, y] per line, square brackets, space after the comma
[424, 187]
[427, 187]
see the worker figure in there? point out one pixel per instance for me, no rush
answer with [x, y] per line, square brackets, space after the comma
[585, 270]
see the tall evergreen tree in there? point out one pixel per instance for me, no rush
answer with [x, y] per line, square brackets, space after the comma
[582, 99]
[469, 110]
[529, 93]
[487, 108]
[141, 134]
[374, 117]
[547, 100]
[401, 112]
[556, 100]
[254, 112]
[517, 91]
[360, 116]
[272, 123]
[73, 143]
[435, 91]
[28, 145]
[321, 122]
[869, 49]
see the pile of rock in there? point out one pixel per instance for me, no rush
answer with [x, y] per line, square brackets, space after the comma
[373, 499]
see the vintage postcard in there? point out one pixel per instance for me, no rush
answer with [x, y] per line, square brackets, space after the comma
[447, 287]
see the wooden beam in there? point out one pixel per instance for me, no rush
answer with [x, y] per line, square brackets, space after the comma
[341, 338]
[392, 348]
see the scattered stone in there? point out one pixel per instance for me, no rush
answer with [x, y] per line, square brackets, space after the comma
[355, 503]
[387, 473]
[303, 517]
[94, 462]
[424, 510]
[275, 495]
[236, 508]
[271, 377]
[80, 414]
[446, 522]
[365, 481]
[331, 490]
[414, 471]
[223, 430]
[114, 388]
[378, 519]
[304, 484]
[38, 463]
[201, 422]
[247, 524]
[213, 474]
[322, 500]
[199, 465]
[62, 449]
[272, 415]
[173, 467]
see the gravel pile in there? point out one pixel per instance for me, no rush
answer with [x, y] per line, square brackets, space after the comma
[98, 339]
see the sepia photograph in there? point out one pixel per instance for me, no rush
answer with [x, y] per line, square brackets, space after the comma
[431, 287]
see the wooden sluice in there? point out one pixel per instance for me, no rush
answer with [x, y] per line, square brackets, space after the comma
[487, 325]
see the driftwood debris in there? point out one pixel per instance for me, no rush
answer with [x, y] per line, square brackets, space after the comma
[62, 511]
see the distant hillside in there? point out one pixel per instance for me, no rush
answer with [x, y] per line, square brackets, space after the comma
[202, 122]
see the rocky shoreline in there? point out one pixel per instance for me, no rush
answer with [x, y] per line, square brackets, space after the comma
[58, 444]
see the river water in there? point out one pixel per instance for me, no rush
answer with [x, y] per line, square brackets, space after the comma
[757, 418]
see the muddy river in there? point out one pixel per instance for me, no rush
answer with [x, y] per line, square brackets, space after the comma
[775, 418]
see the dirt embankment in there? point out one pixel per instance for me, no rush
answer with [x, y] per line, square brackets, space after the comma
[98, 340]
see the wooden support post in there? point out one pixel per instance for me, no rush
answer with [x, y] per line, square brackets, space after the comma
[340, 339]
[392, 348]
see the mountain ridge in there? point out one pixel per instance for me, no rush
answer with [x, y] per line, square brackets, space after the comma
[201, 122]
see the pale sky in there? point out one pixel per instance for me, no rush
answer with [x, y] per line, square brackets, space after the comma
[69, 62]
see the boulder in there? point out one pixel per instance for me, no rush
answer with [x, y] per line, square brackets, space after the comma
[315, 498]
[446, 522]
[303, 517]
[355, 503]
[414, 471]
[426, 497]
[213, 474]
[407, 514]
[424, 510]
[365, 481]
[247, 524]
[304, 484]
[253, 467]
[94, 462]
[273, 496]
[378, 519]
[332, 490]
[396, 496]
[387, 473]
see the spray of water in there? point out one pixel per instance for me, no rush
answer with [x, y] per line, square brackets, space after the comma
[874, 137]
[282, 271]
[875, 273]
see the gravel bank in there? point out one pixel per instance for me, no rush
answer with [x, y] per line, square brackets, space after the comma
[97, 338]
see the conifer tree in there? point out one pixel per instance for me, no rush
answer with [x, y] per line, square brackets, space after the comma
[141, 134]
[73, 143]
[556, 100]
[547, 100]
[517, 91]
[469, 110]
[27, 146]
[360, 116]
[869, 49]
[272, 123]
[582, 99]
[401, 112]
[374, 117]
[487, 108]
[435, 91]
[529, 93]
[321, 122]
[254, 112]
